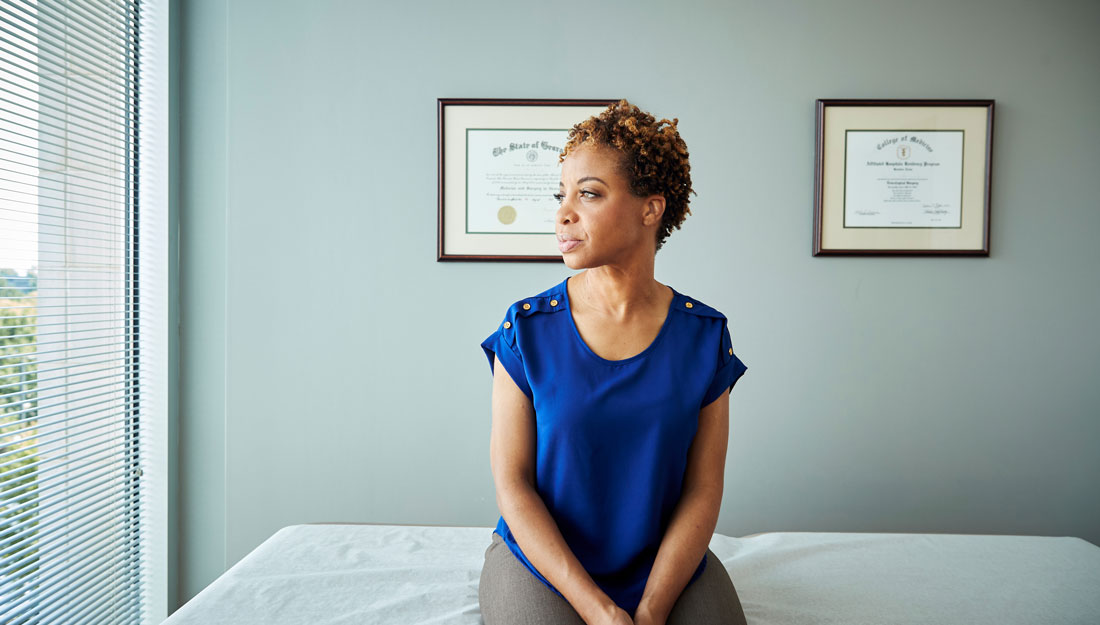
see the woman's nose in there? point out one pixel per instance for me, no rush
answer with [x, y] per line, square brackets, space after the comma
[565, 213]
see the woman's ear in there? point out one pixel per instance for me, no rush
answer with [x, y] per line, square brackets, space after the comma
[654, 210]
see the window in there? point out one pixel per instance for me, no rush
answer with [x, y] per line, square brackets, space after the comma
[83, 285]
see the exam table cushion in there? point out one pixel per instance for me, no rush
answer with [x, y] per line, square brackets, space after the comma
[329, 574]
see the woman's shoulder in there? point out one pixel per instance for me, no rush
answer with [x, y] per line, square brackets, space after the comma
[555, 292]
[694, 306]
[547, 301]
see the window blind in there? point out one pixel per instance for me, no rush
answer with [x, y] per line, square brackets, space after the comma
[72, 373]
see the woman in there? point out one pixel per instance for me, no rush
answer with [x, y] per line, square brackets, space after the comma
[610, 412]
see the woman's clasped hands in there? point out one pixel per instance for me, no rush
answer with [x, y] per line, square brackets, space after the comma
[619, 616]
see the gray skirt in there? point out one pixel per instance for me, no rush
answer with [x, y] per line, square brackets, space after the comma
[510, 594]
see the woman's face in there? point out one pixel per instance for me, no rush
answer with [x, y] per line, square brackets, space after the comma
[600, 221]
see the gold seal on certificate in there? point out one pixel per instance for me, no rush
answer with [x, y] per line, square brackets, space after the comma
[506, 214]
[903, 178]
[511, 178]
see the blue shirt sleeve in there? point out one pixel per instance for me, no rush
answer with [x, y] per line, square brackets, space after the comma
[502, 342]
[730, 368]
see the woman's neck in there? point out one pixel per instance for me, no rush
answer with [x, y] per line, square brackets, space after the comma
[619, 294]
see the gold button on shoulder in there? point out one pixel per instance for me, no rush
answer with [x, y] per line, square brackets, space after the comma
[731, 351]
[507, 324]
[526, 306]
[688, 304]
[553, 302]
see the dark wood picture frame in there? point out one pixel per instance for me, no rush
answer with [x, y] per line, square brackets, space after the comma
[875, 115]
[520, 107]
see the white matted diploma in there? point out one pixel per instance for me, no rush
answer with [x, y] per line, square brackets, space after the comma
[903, 177]
[511, 178]
[498, 173]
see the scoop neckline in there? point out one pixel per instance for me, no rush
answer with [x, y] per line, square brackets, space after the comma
[599, 358]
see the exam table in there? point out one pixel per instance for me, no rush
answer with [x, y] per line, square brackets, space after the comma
[329, 574]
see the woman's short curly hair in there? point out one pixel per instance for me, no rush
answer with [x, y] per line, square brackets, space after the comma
[654, 157]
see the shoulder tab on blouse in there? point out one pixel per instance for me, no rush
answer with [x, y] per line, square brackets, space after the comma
[695, 307]
[508, 326]
[537, 303]
[546, 301]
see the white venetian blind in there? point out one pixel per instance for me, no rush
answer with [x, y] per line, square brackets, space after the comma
[71, 366]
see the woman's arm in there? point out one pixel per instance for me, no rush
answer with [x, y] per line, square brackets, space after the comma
[693, 520]
[512, 456]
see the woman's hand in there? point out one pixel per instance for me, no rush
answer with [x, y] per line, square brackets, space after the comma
[614, 615]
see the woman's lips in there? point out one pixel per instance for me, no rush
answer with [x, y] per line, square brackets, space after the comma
[568, 245]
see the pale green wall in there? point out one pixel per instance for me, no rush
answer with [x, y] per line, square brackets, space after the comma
[331, 368]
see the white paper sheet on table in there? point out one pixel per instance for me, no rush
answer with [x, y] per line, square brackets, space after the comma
[345, 574]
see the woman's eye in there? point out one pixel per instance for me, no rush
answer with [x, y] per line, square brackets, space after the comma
[560, 197]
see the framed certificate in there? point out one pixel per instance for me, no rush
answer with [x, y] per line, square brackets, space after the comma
[498, 173]
[903, 177]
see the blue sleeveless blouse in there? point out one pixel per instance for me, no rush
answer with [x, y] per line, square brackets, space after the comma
[612, 435]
